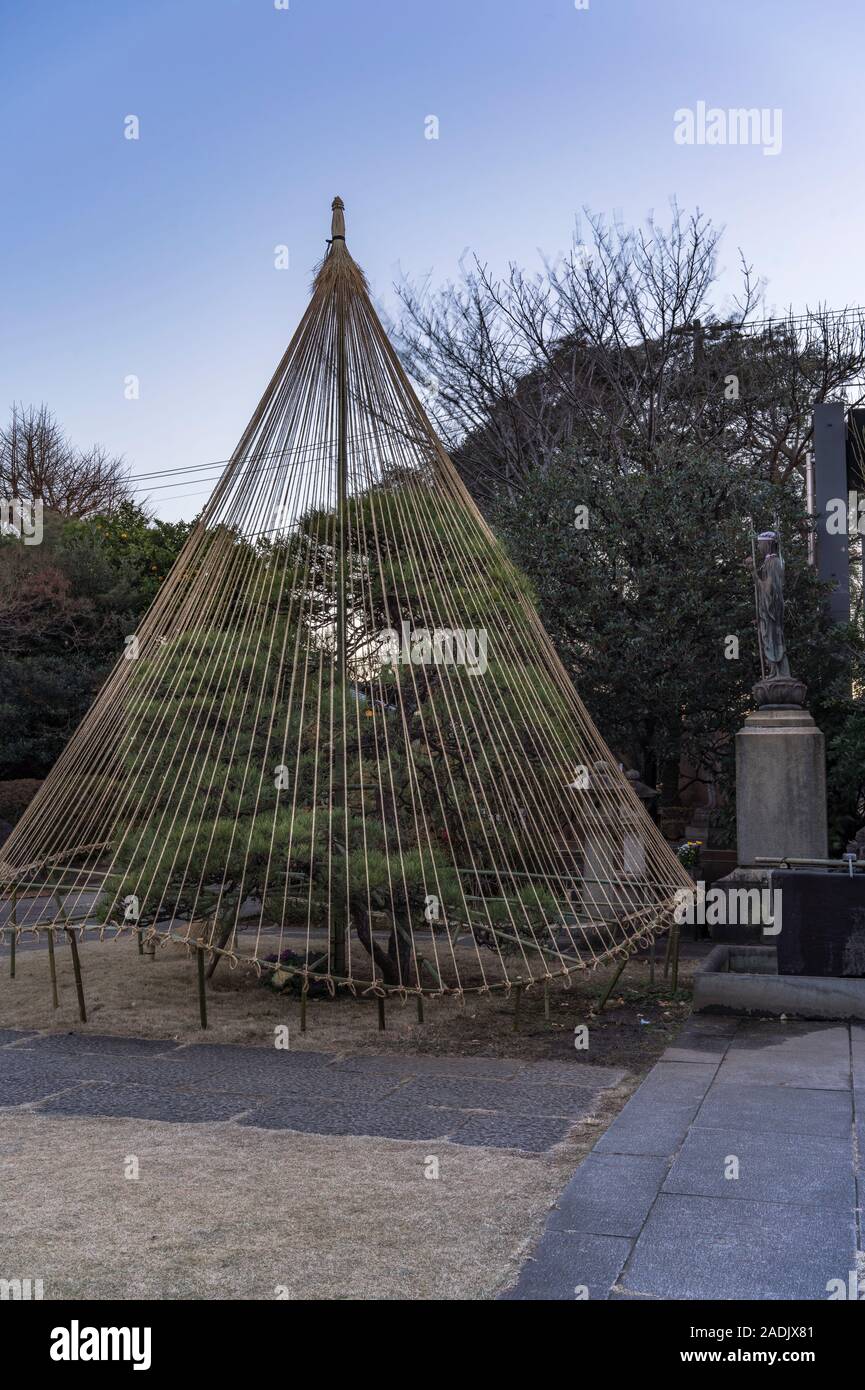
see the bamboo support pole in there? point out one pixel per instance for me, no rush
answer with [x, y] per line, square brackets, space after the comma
[52, 966]
[13, 940]
[674, 978]
[76, 967]
[613, 982]
[202, 990]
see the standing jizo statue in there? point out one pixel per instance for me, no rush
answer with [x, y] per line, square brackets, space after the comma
[769, 583]
[777, 686]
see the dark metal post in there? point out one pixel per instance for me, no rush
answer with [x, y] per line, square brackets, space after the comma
[830, 485]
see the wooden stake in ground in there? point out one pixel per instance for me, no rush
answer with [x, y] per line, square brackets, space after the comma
[613, 982]
[517, 1001]
[76, 966]
[52, 966]
[202, 997]
[381, 1020]
[674, 980]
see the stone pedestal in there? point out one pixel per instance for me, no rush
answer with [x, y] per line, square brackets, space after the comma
[780, 786]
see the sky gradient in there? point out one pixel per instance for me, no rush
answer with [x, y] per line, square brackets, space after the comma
[155, 257]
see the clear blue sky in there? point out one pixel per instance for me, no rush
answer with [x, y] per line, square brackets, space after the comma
[156, 257]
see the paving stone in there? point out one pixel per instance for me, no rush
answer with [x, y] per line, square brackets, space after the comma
[788, 1055]
[77, 1044]
[809, 1170]
[500, 1095]
[709, 1048]
[610, 1194]
[69, 1070]
[572, 1074]
[305, 1084]
[859, 1106]
[24, 1061]
[775, 1109]
[679, 1083]
[709, 1025]
[24, 1090]
[380, 1121]
[563, 1261]
[13, 1035]
[211, 1056]
[646, 1128]
[500, 1129]
[617, 1297]
[797, 1035]
[702, 1248]
[493, 1068]
[147, 1103]
[857, 1048]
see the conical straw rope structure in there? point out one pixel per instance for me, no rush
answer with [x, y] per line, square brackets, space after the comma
[341, 745]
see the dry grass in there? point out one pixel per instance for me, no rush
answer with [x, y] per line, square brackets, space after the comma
[220, 1211]
[224, 1211]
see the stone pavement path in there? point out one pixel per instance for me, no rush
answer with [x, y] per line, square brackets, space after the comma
[651, 1212]
[490, 1102]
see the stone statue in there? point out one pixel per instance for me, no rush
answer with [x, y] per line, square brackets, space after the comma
[769, 583]
[777, 686]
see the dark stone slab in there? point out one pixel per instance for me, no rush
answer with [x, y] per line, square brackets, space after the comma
[500, 1129]
[283, 1080]
[211, 1056]
[857, 1048]
[67, 1068]
[610, 1194]
[823, 916]
[78, 1044]
[146, 1103]
[702, 1248]
[582, 1074]
[618, 1297]
[25, 1090]
[809, 1170]
[564, 1262]
[377, 1121]
[775, 1109]
[499, 1095]
[407, 1065]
